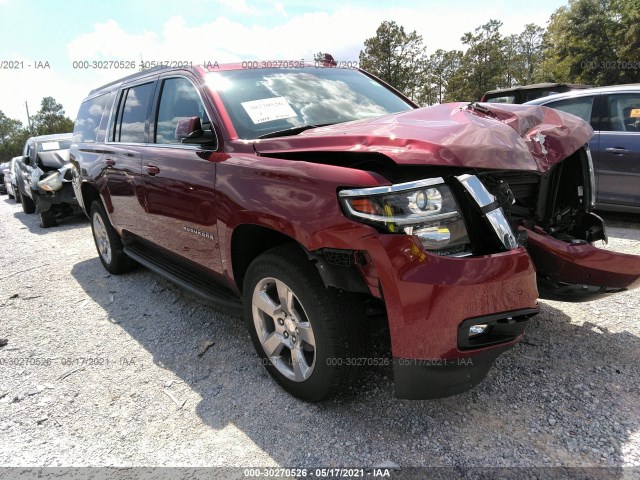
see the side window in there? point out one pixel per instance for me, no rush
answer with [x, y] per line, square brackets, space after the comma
[580, 107]
[179, 99]
[89, 116]
[504, 99]
[624, 112]
[132, 115]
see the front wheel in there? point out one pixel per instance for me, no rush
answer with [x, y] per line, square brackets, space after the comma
[28, 205]
[18, 198]
[108, 242]
[305, 333]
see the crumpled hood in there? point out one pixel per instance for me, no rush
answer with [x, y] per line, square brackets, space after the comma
[55, 158]
[489, 135]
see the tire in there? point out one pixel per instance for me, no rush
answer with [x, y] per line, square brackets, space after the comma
[48, 219]
[11, 197]
[108, 242]
[18, 196]
[28, 205]
[329, 318]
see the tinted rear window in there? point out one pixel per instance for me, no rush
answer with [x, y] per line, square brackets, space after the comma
[132, 115]
[89, 117]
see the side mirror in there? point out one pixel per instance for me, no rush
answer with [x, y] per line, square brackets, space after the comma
[189, 131]
[26, 160]
[187, 128]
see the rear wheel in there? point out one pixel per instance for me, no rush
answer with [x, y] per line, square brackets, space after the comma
[305, 333]
[108, 242]
[28, 205]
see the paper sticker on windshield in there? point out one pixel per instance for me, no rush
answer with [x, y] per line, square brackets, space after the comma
[635, 113]
[268, 109]
[50, 146]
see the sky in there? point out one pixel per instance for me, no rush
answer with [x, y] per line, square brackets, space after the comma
[48, 40]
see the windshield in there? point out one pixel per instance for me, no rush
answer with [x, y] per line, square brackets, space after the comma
[50, 145]
[262, 101]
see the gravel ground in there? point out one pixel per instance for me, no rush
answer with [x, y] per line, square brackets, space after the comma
[130, 370]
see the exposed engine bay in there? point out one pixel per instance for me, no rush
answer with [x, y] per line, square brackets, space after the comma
[557, 202]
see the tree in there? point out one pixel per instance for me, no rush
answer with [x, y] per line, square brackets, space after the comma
[51, 118]
[530, 46]
[513, 61]
[8, 127]
[396, 57]
[12, 137]
[442, 66]
[590, 41]
[482, 66]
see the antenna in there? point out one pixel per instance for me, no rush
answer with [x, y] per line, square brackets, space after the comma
[28, 117]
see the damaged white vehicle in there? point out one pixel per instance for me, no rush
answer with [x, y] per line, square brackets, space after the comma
[43, 179]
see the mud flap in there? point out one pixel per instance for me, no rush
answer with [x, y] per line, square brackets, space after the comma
[578, 272]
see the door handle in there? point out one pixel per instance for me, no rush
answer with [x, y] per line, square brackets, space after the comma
[110, 162]
[617, 150]
[151, 170]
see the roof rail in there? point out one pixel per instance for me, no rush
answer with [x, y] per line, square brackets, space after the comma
[141, 73]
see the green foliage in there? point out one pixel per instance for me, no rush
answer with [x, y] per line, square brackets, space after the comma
[12, 137]
[49, 119]
[484, 65]
[592, 42]
[396, 57]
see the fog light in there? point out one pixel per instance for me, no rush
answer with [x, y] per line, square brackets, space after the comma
[475, 330]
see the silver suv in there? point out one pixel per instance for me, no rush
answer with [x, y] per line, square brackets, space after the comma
[614, 114]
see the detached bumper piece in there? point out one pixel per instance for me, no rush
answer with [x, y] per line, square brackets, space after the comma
[424, 379]
[579, 271]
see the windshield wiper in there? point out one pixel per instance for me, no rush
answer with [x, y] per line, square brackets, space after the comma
[292, 130]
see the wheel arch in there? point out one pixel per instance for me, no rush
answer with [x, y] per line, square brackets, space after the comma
[90, 194]
[248, 241]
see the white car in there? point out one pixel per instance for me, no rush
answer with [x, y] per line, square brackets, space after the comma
[8, 169]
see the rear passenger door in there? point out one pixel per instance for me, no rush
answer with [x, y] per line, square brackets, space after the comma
[123, 163]
[619, 163]
[179, 178]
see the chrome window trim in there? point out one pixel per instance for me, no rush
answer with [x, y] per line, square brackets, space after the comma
[121, 88]
[617, 132]
[162, 78]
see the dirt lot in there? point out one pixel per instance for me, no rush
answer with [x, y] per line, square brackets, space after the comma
[120, 371]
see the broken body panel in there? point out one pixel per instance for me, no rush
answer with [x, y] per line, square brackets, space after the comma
[468, 138]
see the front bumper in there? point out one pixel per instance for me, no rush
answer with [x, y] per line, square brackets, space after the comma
[430, 300]
[45, 201]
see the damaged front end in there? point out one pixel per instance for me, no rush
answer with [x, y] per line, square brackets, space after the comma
[535, 164]
[552, 213]
[55, 197]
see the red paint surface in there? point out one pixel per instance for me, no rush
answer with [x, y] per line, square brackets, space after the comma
[583, 264]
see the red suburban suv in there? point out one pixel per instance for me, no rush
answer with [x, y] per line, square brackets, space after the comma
[311, 196]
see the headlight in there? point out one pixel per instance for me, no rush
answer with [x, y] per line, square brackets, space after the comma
[52, 182]
[426, 209]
